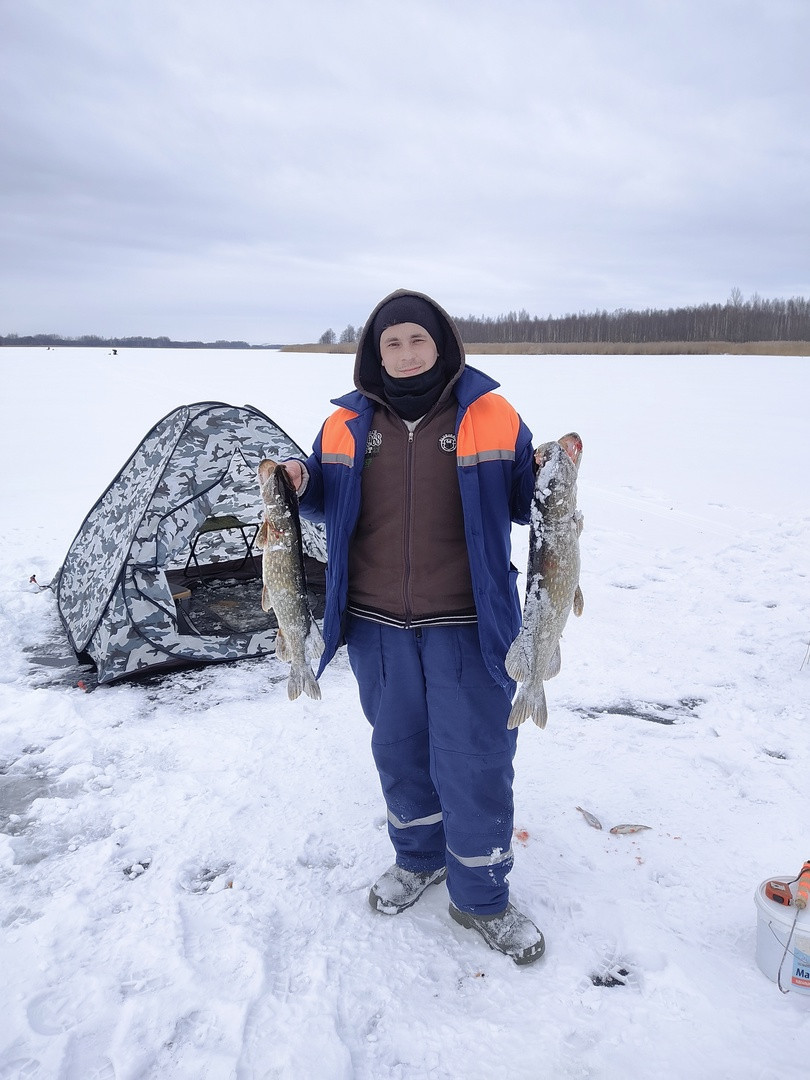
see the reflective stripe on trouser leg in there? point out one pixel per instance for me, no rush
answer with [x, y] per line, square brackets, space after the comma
[386, 664]
[493, 859]
[471, 762]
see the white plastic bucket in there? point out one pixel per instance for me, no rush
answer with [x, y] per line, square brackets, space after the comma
[774, 924]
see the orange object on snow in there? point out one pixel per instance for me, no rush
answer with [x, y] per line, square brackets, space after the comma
[803, 887]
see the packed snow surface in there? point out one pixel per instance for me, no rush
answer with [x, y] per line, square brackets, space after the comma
[185, 862]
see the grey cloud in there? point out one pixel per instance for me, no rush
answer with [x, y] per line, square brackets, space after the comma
[259, 170]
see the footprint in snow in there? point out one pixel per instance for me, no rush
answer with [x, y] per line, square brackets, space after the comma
[22, 1069]
[206, 879]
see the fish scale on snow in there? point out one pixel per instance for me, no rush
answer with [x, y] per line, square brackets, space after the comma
[552, 587]
[284, 587]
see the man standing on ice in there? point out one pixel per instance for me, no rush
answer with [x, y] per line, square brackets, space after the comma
[418, 476]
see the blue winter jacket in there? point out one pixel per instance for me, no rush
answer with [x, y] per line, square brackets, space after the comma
[496, 480]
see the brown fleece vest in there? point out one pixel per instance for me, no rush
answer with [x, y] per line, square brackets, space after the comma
[408, 561]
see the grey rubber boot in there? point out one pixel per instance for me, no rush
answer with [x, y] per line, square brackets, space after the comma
[398, 888]
[510, 933]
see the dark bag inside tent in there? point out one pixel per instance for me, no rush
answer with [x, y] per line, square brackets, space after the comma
[225, 597]
[163, 572]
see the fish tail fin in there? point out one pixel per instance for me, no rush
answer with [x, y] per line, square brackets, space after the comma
[315, 644]
[295, 683]
[303, 680]
[554, 664]
[283, 650]
[530, 702]
[518, 658]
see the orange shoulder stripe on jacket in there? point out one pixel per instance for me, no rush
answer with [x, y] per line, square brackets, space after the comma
[337, 442]
[488, 431]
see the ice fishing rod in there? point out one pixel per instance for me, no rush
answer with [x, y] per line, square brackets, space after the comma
[778, 891]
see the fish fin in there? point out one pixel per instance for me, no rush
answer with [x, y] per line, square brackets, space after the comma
[519, 711]
[266, 605]
[283, 650]
[294, 684]
[530, 702]
[261, 535]
[540, 716]
[311, 687]
[302, 680]
[315, 644]
[518, 662]
[554, 664]
[579, 601]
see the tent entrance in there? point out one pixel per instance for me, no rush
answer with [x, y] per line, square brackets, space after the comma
[223, 523]
[222, 599]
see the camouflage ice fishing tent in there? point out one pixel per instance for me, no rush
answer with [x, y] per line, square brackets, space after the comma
[162, 572]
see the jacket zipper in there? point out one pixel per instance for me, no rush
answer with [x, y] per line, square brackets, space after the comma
[406, 581]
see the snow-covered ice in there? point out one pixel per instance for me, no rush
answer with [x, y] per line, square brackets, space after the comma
[184, 863]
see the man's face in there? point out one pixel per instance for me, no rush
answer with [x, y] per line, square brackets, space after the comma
[407, 349]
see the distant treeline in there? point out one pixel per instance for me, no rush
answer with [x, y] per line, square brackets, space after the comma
[54, 340]
[737, 320]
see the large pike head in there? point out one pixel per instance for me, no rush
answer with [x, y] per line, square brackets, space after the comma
[555, 485]
[275, 486]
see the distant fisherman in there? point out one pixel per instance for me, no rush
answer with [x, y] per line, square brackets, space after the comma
[419, 475]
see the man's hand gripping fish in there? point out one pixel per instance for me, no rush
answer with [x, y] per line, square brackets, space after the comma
[284, 587]
[552, 577]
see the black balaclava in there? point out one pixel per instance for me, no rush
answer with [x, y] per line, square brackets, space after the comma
[416, 395]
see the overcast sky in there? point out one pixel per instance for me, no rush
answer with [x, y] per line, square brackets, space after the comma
[265, 169]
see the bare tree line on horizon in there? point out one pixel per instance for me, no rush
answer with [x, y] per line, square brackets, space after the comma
[52, 341]
[737, 320]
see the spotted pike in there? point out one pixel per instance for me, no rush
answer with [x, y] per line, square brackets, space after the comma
[552, 579]
[284, 588]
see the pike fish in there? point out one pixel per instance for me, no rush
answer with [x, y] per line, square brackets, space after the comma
[284, 586]
[552, 577]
